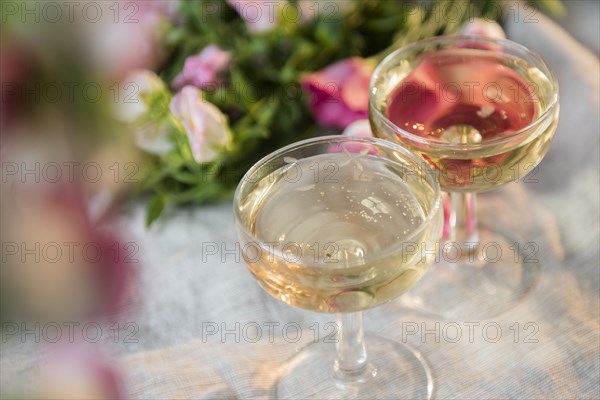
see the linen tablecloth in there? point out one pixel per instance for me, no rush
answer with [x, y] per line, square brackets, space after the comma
[198, 309]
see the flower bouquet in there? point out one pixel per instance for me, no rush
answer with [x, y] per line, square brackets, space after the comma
[243, 78]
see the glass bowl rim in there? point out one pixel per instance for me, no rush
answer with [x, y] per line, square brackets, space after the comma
[436, 206]
[505, 44]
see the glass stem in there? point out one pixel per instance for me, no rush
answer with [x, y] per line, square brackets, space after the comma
[463, 220]
[351, 354]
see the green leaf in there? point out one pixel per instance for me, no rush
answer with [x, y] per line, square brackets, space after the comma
[554, 7]
[154, 209]
[328, 33]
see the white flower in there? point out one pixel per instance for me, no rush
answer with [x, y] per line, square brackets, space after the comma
[481, 27]
[361, 127]
[131, 108]
[138, 83]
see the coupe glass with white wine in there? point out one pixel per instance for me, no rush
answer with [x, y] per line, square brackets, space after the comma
[482, 113]
[331, 225]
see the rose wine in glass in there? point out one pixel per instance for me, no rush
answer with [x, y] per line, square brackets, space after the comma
[334, 225]
[482, 113]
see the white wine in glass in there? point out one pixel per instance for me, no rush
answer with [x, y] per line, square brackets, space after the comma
[336, 224]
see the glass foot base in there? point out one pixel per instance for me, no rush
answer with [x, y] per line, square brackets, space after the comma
[483, 284]
[395, 371]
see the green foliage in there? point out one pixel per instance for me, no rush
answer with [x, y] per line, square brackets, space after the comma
[261, 93]
[554, 7]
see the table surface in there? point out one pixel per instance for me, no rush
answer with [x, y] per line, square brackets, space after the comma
[181, 298]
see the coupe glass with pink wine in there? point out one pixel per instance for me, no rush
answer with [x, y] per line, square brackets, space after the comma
[482, 113]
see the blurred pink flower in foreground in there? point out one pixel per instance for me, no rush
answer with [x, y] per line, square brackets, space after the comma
[481, 27]
[339, 93]
[15, 66]
[79, 370]
[203, 69]
[75, 284]
[260, 16]
[132, 38]
[206, 127]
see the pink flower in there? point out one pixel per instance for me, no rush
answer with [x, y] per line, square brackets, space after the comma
[203, 69]
[260, 16]
[481, 27]
[339, 93]
[205, 125]
[166, 8]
